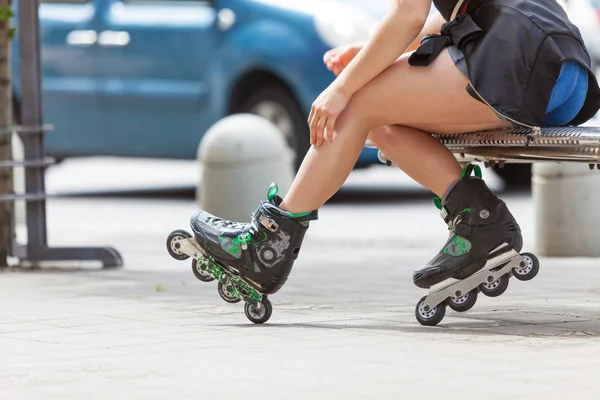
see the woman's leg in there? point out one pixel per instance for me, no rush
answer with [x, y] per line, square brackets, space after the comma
[403, 147]
[432, 97]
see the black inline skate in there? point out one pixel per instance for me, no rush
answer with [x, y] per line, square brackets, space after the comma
[250, 260]
[481, 253]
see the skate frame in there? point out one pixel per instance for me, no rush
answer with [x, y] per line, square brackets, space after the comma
[457, 288]
[191, 248]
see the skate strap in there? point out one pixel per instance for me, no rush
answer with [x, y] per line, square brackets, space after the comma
[311, 216]
[268, 223]
[466, 172]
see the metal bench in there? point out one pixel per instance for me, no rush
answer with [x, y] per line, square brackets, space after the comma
[497, 147]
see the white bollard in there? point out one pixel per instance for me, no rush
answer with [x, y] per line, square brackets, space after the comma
[240, 156]
[567, 216]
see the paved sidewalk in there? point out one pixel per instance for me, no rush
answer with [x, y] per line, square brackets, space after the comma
[342, 328]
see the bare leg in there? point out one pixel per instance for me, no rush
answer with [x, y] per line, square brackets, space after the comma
[433, 97]
[326, 168]
[435, 169]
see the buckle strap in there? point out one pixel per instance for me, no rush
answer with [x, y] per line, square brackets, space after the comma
[457, 32]
[268, 223]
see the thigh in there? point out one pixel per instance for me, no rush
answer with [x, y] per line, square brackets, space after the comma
[433, 99]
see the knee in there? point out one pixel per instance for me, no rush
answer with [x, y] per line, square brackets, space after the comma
[380, 136]
[359, 112]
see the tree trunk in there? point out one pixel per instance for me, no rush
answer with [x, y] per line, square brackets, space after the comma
[6, 181]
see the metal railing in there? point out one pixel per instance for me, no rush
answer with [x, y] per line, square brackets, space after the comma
[31, 132]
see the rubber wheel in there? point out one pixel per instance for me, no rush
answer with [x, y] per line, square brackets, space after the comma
[496, 288]
[198, 273]
[275, 103]
[529, 268]
[431, 317]
[172, 240]
[259, 316]
[225, 294]
[464, 302]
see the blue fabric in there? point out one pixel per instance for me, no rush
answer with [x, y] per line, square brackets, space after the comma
[568, 95]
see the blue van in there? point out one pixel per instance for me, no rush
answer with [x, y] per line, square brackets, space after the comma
[146, 78]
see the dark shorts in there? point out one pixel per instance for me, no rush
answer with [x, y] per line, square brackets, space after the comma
[567, 97]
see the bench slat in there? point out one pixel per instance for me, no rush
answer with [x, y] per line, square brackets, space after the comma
[564, 144]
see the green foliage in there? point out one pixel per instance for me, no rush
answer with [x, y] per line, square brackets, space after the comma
[6, 13]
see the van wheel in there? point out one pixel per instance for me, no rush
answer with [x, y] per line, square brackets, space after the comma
[275, 103]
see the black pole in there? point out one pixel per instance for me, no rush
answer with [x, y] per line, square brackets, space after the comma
[31, 115]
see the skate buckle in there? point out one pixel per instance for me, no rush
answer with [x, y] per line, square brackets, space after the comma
[444, 213]
[268, 223]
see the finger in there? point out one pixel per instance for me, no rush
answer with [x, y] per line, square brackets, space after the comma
[329, 128]
[313, 129]
[310, 121]
[320, 127]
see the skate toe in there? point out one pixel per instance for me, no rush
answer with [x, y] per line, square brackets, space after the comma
[201, 228]
[425, 278]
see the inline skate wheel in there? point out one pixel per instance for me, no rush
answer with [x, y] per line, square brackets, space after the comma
[199, 273]
[430, 317]
[259, 315]
[528, 269]
[226, 292]
[495, 288]
[463, 303]
[173, 247]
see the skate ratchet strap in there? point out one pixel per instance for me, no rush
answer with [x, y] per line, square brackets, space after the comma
[267, 222]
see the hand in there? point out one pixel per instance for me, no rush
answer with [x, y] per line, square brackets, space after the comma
[324, 112]
[337, 59]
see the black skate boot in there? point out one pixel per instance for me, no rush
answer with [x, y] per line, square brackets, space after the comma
[481, 228]
[261, 251]
[250, 260]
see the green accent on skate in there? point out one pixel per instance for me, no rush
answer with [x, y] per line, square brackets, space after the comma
[207, 264]
[244, 239]
[244, 291]
[458, 246]
[239, 288]
[476, 169]
[468, 210]
[298, 215]
[437, 202]
[232, 246]
[273, 189]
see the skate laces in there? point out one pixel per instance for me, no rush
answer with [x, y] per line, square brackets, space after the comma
[243, 238]
[223, 223]
[455, 221]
